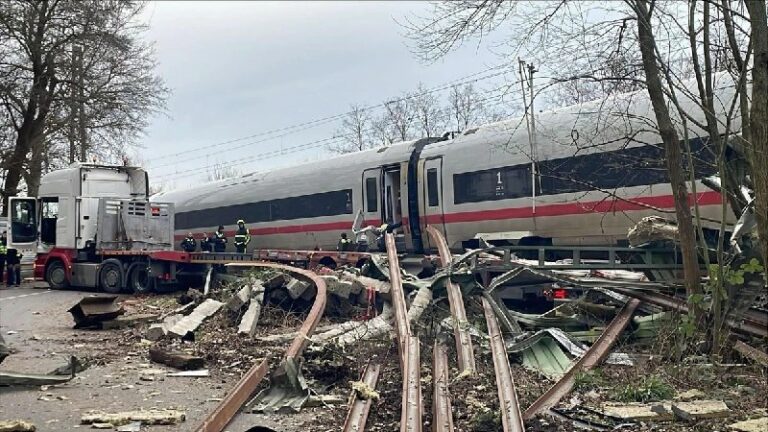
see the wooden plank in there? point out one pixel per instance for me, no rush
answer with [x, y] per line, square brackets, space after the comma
[176, 359]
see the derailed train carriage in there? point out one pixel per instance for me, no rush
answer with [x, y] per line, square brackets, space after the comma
[590, 173]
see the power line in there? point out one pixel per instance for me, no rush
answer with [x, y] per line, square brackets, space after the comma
[317, 122]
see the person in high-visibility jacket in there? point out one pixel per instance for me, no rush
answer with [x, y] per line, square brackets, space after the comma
[242, 237]
[344, 244]
[189, 244]
[3, 252]
[219, 240]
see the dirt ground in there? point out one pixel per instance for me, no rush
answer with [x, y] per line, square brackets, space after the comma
[120, 376]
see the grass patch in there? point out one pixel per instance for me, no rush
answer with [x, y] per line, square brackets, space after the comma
[589, 380]
[648, 389]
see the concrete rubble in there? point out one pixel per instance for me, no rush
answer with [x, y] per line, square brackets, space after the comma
[148, 417]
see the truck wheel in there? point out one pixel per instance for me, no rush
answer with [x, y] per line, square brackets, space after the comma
[111, 276]
[56, 275]
[140, 281]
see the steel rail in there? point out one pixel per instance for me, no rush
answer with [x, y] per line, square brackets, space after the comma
[442, 416]
[509, 407]
[228, 408]
[359, 407]
[464, 351]
[408, 346]
[594, 355]
[746, 325]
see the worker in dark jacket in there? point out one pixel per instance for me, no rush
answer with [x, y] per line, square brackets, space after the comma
[242, 237]
[219, 240]
[344, 244]
[386, 228]
[189, 244]
[3, 251]
[206, 243]
[13, 258]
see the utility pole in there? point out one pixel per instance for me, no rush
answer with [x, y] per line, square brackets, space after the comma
[526, 78]
[81, 105]
[76, 52]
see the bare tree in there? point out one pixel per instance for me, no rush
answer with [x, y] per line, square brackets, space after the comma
[429, 116]
[465, 106]
[222, 171]
[354, 131]
[109, 95]
[401, 117]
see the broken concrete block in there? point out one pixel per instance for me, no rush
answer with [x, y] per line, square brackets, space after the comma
[158, 331]
[175, 359]
[338, 287]
[237, 301]
[635, 411]
[126, 321]
[296, 288]
[90, 311]
[16, 426]
[275, 281]
[753, 425]
[690, 395]
[701, 409]
[149, 417]
[250, 318]
[130, 427]
[191, 322]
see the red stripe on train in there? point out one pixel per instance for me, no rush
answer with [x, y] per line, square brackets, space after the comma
[576, 208]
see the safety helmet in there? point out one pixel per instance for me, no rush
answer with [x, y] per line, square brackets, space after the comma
[240, 221]
[189, 234]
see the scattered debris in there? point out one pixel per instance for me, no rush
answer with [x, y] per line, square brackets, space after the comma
[126, 321]
[691, 394]
[4, 351]
[130, 427]
[175, 359]
[191, 322]
[22, 379]
[91, 311]
[701, 409]
[102, 426]
[149, 417]
[753, 425]
[637, 411]
[364, 391]
[192, 373]
[751, 353]
[16, 426]
[251, 317]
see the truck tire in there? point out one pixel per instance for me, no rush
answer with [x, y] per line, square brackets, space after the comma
[139, 280]
[111, 276]
[56, 275]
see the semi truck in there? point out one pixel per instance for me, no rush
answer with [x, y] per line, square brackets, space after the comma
[93, 226]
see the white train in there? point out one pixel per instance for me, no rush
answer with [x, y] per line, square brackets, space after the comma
[594, 171]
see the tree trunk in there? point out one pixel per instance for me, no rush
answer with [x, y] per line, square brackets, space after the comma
[673, 152]
[759, 118]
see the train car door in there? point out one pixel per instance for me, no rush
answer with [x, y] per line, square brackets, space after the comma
[372, 209]
[431, 199]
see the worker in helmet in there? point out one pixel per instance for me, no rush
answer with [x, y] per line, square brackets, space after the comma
[206, 243]
[219, 240]
[344, 244]
[242, 237]
[189, 244]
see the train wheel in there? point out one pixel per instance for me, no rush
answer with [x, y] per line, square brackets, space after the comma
[111, 276]
[139, 280]
[56, 275]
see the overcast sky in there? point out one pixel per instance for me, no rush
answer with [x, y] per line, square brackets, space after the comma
[241, 69]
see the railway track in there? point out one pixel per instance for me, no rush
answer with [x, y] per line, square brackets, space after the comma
[412, 406]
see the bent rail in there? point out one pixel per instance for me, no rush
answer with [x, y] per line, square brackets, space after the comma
[227, 408]
[466, 358]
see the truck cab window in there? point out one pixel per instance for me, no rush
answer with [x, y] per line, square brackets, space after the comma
[23, 222]
[49, 212]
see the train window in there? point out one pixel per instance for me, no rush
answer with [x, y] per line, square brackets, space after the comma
[433, 197]
[492, 184]
[371, 195]
[299, 207]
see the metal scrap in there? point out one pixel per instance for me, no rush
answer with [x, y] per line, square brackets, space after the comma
[90, 311]
[591, 358]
